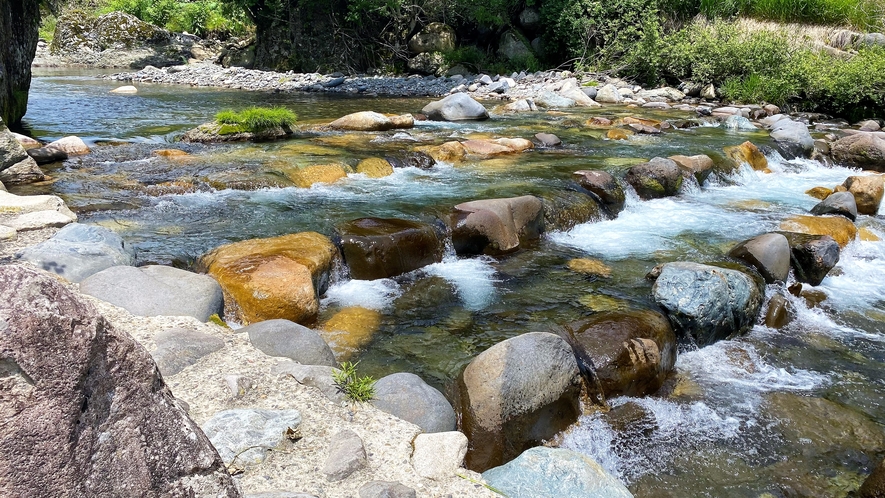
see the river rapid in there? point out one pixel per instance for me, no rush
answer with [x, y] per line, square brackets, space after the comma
[793, 412]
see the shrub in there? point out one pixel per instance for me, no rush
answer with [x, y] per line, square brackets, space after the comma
[257, 119]
[354, 388]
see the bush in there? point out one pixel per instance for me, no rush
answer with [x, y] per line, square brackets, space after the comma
[201, 17]
[257, 119]
[860, 14]
[853, 87]
[354, 388]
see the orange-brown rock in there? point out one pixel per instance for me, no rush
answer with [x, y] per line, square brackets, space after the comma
[618, 134]
[170, 153]
[747, 153]
[841, 229]
[316, 173]
[598, 122]
[867, 191]
[819, 192]
[448, 152]
[485, 148]
[278, 277]
[350, 329]
[374, 167]
[699, 166]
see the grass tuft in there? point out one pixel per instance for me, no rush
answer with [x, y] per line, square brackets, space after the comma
[355, 388]
[257, 119]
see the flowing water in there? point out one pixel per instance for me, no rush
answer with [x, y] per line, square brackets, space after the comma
[792, 412]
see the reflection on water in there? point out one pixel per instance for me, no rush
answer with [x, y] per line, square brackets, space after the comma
[738, 419]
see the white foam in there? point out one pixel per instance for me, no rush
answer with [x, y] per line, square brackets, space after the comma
[372, 294]
[473, 279]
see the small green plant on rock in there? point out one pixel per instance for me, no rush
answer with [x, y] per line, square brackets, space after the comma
[255, 119]
[355, 388]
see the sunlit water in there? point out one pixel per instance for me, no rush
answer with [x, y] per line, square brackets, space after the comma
[719, 428]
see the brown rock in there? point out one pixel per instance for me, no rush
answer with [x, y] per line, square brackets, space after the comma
[350, 329]
[22, 172]
[374, 167]
[403, 121]
[819, 192]
[699, 166]
[170, 153]
[485, 148]
[860, 150]
[838, 227]
[618, 134]
[768, 253]
[657, 178]
[874, 485]
[645, 129]
[317, 173]
[598, 122]
[747, 153]
[779, 313]
[590, 266]
[496, 226]
[84, 410]
[867, 191]
[382, 248]
[448, 152]
[604, 186]
[363, 121]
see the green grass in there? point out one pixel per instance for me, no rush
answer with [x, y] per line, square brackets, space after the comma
[865, 15]
[257, 119]
[355, 388]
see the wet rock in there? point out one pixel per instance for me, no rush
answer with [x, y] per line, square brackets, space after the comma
[779, 312]
[768, 253]
[243, 437]
[317, 376]
[861, 150]
[633, 351]
[278, 277]
[71, 145]
[792, 138]
[589, 266]
[608, 94]
[521, 105]
[813, 256]
[516, 394]
[699, 166]
[374, 167]
[412, 159]
[530, 475]
[566, 208]
[839, 228]
[214, 132]
[156, 291]
[407, 396]
[455, 107]
[550, 100]
[178, 349]
[449, 152]
[548, 139]
[307, 176]
[78, 251]
[126, 90]
[287, 339]
[840, 203]
[707, 303]
[68, 372]
[376, 248]
[598, 122]
[747, 153]
[438, 455]
[22, 172]
[867, 191]
[829, 424]
[496, 226]
[618, 134]
[386, 489]
[819, 192]
[738, 123]
[874, 485]
[644, 129]
[43, 155]
[346, 455]
[604, 186]
[350, 329]
[365, 121]
[657, 178]
[435, 37]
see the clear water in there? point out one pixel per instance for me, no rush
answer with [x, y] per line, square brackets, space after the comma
[730, 422]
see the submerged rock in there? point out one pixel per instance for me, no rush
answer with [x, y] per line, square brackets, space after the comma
[381, 248]
[408, 397]
[78, 251]
[455, 107]
[351, 329]
[657, 178]
[94, 394]
[768, 253]
[496, 226]
[374, 167]
[516, 394]
[707, 303]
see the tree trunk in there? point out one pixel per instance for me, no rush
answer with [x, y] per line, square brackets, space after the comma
[19, 24]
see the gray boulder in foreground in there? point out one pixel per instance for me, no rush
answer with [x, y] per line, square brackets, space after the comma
[84, 411]
[455, 107]
[707, 303]
[78, 251]
[157, 291]
[408, 397]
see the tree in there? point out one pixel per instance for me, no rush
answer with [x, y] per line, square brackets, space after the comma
[19, 23]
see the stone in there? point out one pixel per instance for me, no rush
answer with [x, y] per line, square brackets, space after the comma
[779, 312]
[657, 178]
[709, 92]
[438, 455]
[346, 455]
[435, 37]
[280, 494]
[546, 472]
[238, 385]
[839, 203]
[839, 228]
[618, 134]
[44, 155]
[78, 251]
[374, 167]
[126, 89]
[813, 256]
[575, 93]
[26, 141]
[22, 172]
[277, 277]
[530, 18]
[156, 290]
[861, 150]
[68, 372]
[516, 394]
[874, 485]
[317, 376]
[178, 349]
[287, 339]
[820, 192]
[29, 212]
[644, 129]
[604, 186]
[407, 396]
[363, 121]
[768, 253]
[410, 159]
[521, 105]
[169, 153]
[551, 100]
[308, 176]
[792, 138]
[496, 226]
[376, 248]
[608, 94]
[699, 166]
[350, 329]
[8, 233]
[747, 153]
[429, 63]
[590, 267]
[867, 191]
[830, 424]
[455, 107]
[666, 93]
[513, 45]
[243, 437]
[386, 489]
[869, 125]
[739, 123]
[706, 303]
[11, 151]
[71, 145]
[633, 352]
[548, 139]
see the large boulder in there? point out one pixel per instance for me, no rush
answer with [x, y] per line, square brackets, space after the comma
[20, 173]
[867, 191]
[512, 45]
[78, 251]
[707, 303]
[768, 253]
[841, 203]
[792, 138]
[699, 166]
[657, 178]
[287, 339]
[632, 351]
[496, 226]
[384, 247]
[841, 229]
[546, 472]
[277, 277]
[874, 485]
[566, 208]
[860, 150]
[550, 100]
[156, 290]
[517, 394]
[455, 107]
[604, 186]
[16, 166]
[747, 153]
[812, 256]
[609, 94]
[84, 410]
[435, 37]
[370, 121]
[408, 397]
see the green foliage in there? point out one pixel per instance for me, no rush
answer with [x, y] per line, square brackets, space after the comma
[757, 88]
[355, 388]
[860, 14]
[200, 17]
[256, 119]
[853, 87]
[47, 27]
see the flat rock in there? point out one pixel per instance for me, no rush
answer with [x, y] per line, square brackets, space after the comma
[22, 172]
[407, 396]
[288, 339]
[244, 436]
[386, 489]
[496, 226]
[346, 455]
[44, 155]
[178, 349]
[125, 89]
[157, 291]
[438, 455]
[78, 251]
[548, 139]
[318, 376]
[699, 166]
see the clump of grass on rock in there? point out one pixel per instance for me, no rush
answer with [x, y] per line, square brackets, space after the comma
[255, 119]
[355, 388]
